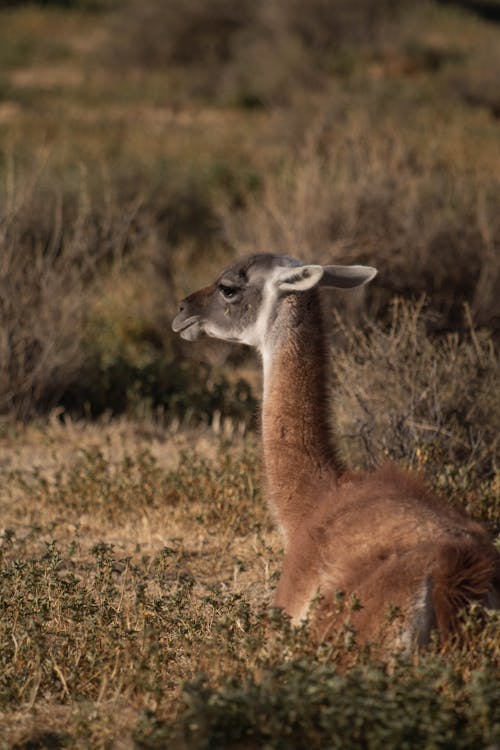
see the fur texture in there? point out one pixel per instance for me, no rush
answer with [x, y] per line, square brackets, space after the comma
[413, 561]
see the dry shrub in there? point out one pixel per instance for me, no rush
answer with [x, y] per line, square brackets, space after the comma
[326, 24]
[54, 246]
[430, 403]
[251, 52]
[195, 34]
[86, 290]
[355, 187]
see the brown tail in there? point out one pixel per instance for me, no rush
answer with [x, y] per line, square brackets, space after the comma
[465, 572]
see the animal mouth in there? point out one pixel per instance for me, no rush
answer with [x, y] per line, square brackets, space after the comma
[189, 328]
[181, 325]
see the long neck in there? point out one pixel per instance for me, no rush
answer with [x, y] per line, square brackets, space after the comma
[300, 457]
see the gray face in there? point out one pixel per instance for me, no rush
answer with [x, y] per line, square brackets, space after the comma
[232, 308]
[244, 303]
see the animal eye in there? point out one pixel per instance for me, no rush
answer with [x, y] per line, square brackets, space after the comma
[227, 291]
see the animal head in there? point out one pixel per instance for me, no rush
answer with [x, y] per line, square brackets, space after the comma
[243, 303]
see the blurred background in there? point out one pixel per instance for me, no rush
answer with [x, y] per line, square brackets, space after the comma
[145, 144]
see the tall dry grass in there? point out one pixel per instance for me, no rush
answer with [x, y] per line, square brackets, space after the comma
[254, 53]
[87, 293]
[431, 403]
[91, 268]
[54, 247]
[359, 187]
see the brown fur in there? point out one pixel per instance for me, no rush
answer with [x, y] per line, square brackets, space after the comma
[463, 573]
[383, 536]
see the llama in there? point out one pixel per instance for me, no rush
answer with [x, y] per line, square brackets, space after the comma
[382, 536]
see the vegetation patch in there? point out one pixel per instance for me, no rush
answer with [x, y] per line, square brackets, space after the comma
[135, 601]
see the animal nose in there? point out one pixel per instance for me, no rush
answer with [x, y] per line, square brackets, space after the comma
[182, 306]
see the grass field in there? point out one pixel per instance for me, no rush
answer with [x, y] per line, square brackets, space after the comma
[142, 147]
[137, 565]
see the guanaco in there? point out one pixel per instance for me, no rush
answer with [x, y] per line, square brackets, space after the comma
[382, 536]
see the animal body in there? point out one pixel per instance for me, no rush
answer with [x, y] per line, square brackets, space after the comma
[382, 536]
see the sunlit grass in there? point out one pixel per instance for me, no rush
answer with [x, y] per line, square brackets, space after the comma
[131, 567]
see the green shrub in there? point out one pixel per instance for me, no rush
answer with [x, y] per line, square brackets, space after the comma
[305, 705]
[141, 373]
[134, 603]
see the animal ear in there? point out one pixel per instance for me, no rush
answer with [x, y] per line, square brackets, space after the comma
[298, 278]
[347, 277]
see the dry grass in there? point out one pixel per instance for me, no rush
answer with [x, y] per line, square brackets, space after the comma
[430, 402]
[384, 164]
[134, 559]
[103, 533]
[254, 54]
[363, 186]
[55, 247]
